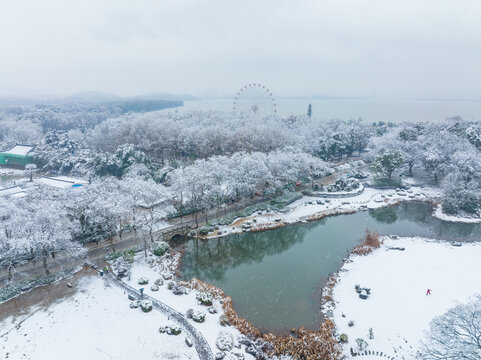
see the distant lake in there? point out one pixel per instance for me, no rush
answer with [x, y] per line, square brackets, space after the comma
[368, 109]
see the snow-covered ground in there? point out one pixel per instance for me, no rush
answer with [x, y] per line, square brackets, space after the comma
[210, 328]
[11, 172]
[306, 207]
[98, 323]
[95, 323]
[398, 309]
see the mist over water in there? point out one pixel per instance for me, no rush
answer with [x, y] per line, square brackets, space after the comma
[369, 110]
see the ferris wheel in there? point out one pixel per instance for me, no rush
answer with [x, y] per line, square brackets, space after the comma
[255, 99]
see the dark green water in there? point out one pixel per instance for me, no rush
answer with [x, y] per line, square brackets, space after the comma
[274, 277]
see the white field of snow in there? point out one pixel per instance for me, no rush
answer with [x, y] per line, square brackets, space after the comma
[398, 309]
[95, 323]
[210, 328]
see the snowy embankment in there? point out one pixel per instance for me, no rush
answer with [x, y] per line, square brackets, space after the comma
[95, 323]
[98, 322]
[210, 328]
[311, 208]
[438, 213]
[398, 309]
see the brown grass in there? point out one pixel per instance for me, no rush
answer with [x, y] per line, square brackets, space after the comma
[265, 227]
[321, 215]
[369, 243]
[308, 344]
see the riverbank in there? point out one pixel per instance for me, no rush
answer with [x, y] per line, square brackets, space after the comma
[438, 213]
[398, 310]
[310, 208]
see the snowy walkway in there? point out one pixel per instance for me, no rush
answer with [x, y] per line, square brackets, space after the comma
[200, 343]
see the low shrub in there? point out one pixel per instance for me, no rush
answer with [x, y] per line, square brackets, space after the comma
[159, 248]
[361, 344]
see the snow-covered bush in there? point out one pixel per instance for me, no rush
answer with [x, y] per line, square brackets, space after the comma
[146, 305]
[178, 289]
[224, 341]
[204, 298]
[357, 174]
[143, 281]
[223, 320]
[343, 184]
[170, 329]
[198, 316]
[159, 248]
[361, 344]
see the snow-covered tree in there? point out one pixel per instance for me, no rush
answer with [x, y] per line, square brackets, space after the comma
[30, 170]
[387, 162]
[456, 334]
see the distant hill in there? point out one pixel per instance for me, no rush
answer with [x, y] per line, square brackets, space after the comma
[89, 97]
[166, 96]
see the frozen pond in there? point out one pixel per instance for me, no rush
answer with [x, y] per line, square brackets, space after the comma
[274, 277]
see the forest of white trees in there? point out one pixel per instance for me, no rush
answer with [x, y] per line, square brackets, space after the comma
[201, 161]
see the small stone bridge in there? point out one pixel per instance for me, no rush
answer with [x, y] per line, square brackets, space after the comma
[169, 233]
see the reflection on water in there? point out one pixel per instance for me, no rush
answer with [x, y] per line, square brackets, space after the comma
[274, 276]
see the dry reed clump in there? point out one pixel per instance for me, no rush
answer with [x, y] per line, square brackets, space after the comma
[321, 215]
[327, 292]
[241, 324]
[308, 344]
[202, 286]
[369, 243]
[266, 227]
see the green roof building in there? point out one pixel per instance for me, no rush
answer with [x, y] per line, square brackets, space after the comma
[18, 156]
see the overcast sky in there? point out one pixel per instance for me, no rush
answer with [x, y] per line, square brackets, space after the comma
[379, 48]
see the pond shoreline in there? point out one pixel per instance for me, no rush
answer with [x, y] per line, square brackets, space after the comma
[301, 212]
[429, 196]
[369, 199]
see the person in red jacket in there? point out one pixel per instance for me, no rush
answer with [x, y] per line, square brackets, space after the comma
[428, 292]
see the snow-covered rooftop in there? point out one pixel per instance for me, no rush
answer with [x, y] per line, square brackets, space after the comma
[20, 150]
[62, 182]
[12, 191]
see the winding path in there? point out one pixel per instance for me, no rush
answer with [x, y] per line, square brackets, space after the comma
[201, 346]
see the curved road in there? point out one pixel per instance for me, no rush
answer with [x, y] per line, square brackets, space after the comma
[201, 346]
